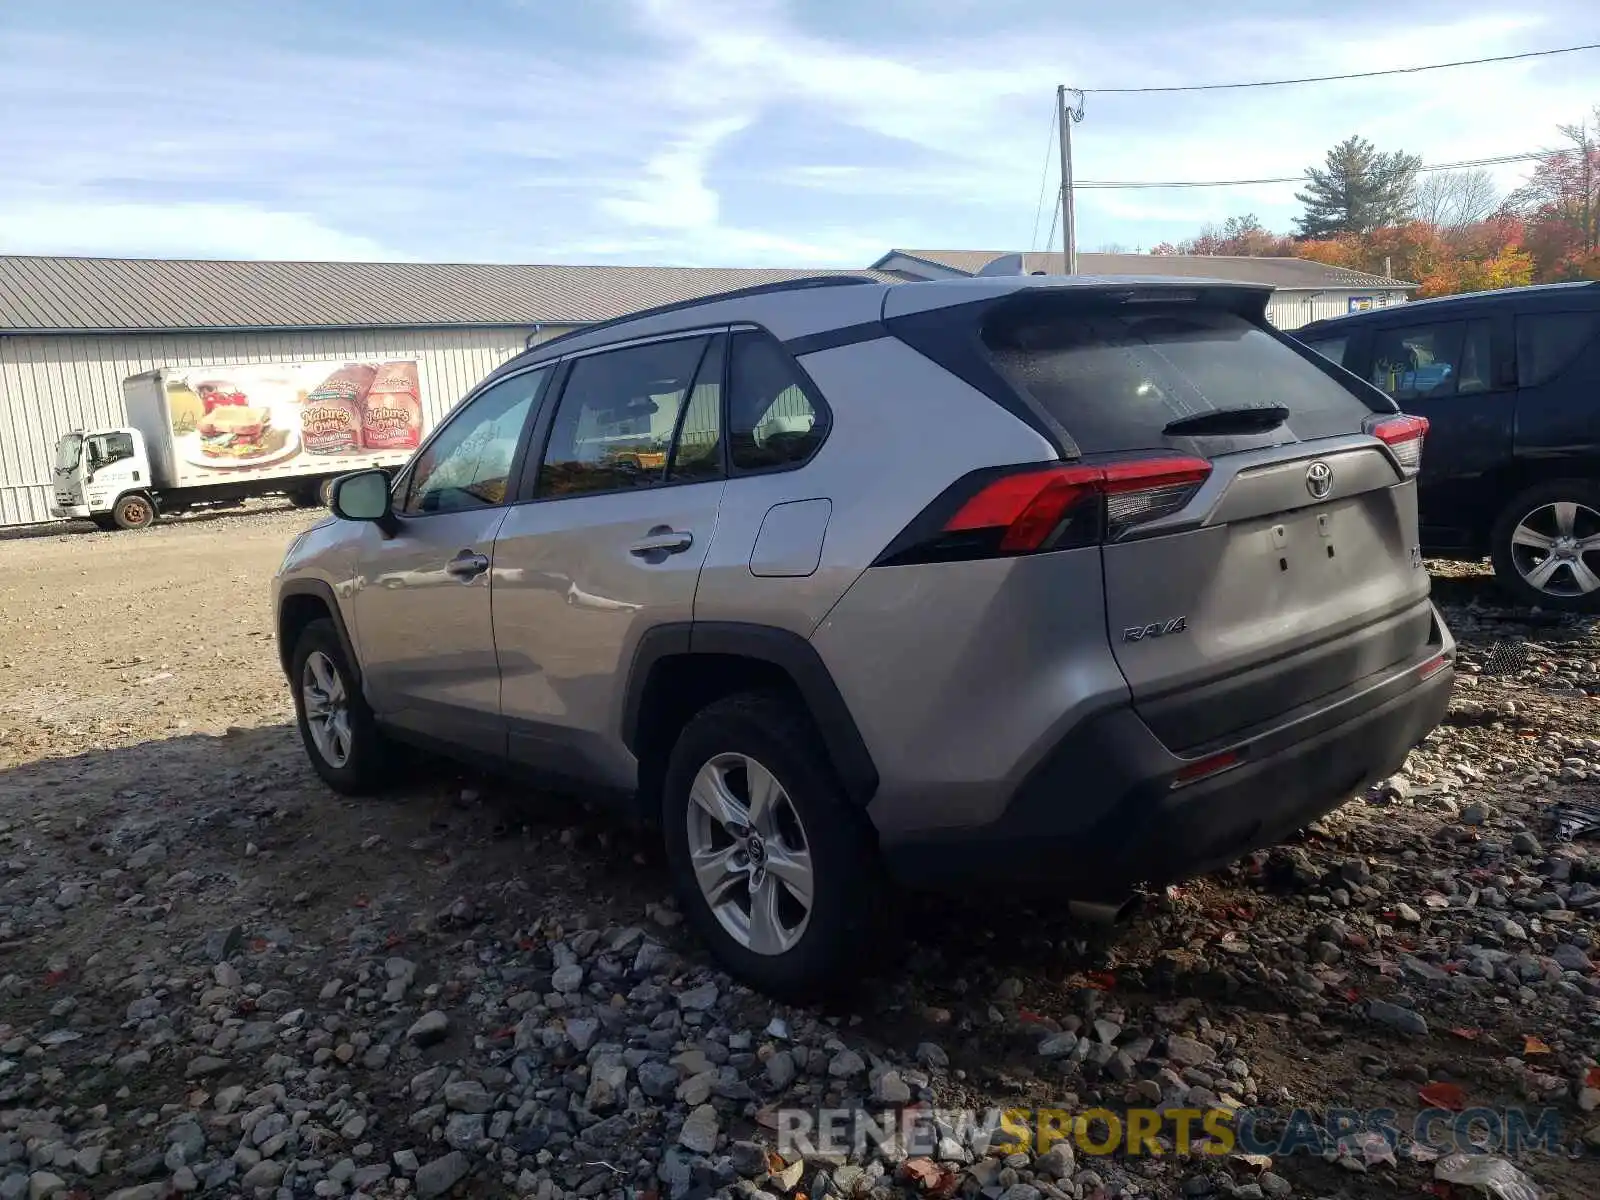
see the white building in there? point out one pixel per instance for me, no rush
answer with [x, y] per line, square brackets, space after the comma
[72, 329]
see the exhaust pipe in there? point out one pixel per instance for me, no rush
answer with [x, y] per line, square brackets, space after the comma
[1099, 912]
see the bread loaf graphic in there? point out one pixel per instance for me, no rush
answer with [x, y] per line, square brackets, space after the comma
[331, 417]
[391, 416]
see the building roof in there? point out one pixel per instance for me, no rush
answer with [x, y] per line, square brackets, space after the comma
[1300, 274]
[63, 295]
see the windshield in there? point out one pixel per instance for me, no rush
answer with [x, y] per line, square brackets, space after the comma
[67, 451]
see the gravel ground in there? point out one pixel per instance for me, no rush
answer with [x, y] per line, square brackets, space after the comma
[217, 977]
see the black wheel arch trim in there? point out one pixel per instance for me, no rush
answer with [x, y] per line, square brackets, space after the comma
[782, 648]
[324, 592]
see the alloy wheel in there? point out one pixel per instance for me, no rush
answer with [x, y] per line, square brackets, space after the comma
[327, 708]
[1553, 546]
[749, 854]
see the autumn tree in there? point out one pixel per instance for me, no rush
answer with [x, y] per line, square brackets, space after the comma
[1359, 189]
[1560, 204]
[1241, 235]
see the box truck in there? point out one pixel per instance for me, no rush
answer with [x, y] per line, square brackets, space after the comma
[212, 436]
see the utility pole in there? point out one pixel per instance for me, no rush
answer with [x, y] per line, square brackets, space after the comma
[1064, 120]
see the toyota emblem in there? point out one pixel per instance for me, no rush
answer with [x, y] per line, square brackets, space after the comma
[1319, 480]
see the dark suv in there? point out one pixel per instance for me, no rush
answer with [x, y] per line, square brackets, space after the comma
[1510, 384]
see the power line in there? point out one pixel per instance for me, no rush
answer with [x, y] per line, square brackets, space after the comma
[1469, 62]
[1134, 184]
[1044, 177]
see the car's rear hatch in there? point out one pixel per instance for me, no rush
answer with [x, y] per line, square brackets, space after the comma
[1270, 559]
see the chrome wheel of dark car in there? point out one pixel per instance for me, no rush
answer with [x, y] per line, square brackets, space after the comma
[1556, 549]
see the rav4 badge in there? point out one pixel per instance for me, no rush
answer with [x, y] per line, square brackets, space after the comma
[1137, 633]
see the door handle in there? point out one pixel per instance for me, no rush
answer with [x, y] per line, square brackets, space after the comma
[663, 539]
[467, 566]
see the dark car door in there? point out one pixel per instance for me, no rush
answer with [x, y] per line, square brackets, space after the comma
[1558, 377]
[1456, 372]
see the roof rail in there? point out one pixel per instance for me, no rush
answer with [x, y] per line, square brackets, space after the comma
[758, 289]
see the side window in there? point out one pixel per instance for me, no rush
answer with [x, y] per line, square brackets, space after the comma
[1452, 358]
[774, 420]
[1548, 342]
[468, 465]
[1332, 348]
[697, 450]
[108, 448]
[617, 417]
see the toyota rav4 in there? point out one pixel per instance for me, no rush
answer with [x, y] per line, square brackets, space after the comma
[997, 581]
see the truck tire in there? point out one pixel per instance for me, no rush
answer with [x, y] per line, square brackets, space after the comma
[796, 905]
[134, 511]
[307, 497]
[1545, 546]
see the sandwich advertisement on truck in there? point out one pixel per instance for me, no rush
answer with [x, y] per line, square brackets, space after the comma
[292, 418]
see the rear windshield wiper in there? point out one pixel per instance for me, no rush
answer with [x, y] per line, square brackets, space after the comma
[1255, 419]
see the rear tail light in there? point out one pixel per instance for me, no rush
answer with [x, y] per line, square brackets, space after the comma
[993, 514]
[1403, 435]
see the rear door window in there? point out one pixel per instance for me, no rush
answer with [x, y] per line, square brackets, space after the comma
[618, 413]
[1548, 342]
[1444, 358]
[1115, 378]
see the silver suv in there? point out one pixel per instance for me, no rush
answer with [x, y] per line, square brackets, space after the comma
[1079, 581]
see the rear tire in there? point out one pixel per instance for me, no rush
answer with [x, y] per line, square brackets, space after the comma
[342, 739]
[308, 497]
[1545, 546]
[796, 879]
[134, 512]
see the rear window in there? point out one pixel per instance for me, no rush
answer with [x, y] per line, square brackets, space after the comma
[1116, 378]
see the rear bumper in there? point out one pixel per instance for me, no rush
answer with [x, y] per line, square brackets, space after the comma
[1100, 814]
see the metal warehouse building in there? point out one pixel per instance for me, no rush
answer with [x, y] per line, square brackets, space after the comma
[72, 329]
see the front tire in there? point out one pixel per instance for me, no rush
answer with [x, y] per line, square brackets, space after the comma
[342, 740]
[1545, 546]
[134, 512]
[774, 868]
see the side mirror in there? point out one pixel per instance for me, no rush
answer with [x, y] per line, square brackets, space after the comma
[363, 496]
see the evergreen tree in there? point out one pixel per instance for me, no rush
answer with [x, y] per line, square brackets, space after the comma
[1358, 191]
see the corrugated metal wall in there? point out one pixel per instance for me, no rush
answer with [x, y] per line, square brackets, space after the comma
[1290, 310]
[51, 384]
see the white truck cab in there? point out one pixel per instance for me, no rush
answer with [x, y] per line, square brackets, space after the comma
[104, 474]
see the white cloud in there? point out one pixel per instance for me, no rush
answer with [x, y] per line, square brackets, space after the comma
[732, 132]
[673, 192]
[177, 231]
